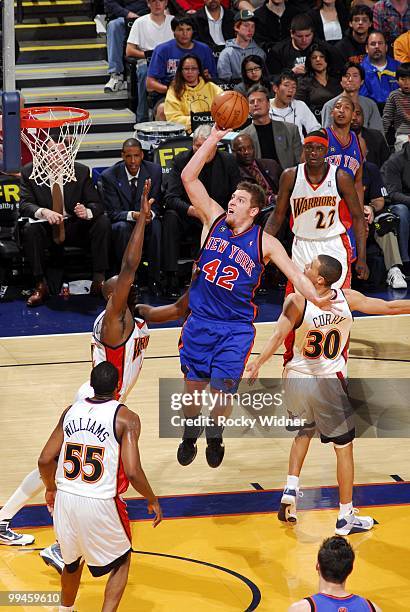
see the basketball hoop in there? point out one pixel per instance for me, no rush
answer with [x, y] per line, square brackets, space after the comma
[54, 134]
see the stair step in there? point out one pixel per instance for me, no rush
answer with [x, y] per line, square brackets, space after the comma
[87, 96]
[53, 75]
[106, 120]
[57, 7]
[47, 51]
[102, 145]
[62, 28]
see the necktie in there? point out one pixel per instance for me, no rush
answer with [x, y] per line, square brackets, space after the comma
[58, 206]
[260, 180]
[133, 184]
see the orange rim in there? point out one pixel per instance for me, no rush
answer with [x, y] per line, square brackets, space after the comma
[29, 121]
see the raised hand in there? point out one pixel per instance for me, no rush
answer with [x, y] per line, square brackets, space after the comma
[146, 203]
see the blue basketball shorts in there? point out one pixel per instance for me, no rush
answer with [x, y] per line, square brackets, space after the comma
[215, 351]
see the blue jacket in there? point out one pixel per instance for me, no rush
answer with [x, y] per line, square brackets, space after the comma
[379, 85]
[116, 191]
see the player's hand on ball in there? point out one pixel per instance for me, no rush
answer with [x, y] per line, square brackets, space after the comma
[362, 269]
[156, 509]
[219, 133]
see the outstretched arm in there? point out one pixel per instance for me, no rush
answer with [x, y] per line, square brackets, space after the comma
[205, 206]
[289, 318]
[273, 250]
[348, 191]
[358, 301]
[131, 259]
[162, 314]
[278, 215]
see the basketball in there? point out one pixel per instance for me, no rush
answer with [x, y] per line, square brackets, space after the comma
[230, 109]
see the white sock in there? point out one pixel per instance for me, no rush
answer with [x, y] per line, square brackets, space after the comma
[66, 609]
[31, 485]
[345, 509]
[292, 482]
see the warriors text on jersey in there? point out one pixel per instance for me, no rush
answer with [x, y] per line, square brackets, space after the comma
[90, 458]
[328, 603]
[318, 346]
[231, 268]
[347, 157]
[318, 211]
[127, 357]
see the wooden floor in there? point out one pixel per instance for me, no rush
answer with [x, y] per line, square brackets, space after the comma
[40, 375]
[38, 379]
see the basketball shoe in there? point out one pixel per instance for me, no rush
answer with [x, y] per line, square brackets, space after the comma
[350, 523]
[288, 503]
[52, 556]
[8, 537]
[215, 452]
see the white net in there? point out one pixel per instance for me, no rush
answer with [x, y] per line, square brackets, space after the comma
[54, 148]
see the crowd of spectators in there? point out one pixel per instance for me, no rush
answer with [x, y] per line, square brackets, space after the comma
[292, 60]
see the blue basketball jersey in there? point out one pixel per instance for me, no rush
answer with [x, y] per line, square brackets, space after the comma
[349, 157]
[328, 603]
[231, 267]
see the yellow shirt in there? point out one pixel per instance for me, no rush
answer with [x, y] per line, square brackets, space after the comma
[196, 99]
[401, 48]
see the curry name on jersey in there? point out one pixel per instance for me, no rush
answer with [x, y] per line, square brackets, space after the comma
[319, 345]
[231, 267]
[318, 211]
[90, 458]
[128, 357]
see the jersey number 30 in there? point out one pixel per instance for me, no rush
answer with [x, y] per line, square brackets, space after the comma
[226, 279]
[83, 456]
[318, 344]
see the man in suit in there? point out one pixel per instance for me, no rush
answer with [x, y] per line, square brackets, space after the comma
[220, 175]
[214, 25]
[81, 222]
[271, 139]
[122, 187]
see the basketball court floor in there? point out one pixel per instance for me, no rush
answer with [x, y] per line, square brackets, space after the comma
[220, 546]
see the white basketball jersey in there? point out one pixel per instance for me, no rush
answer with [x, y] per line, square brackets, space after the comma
[318, 347]
[90, 458]
[127, 357]
[318, 212]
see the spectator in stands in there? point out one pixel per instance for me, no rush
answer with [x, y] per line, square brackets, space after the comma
[273, 21]
[285, 147]
[190, 92]
[146, 33]
[220, 175]
[374, 194]
[396, 112]
[254, 72]
[263, 172]
[352, 47]
[117, 11]
[351, 82]
[193, 6]
[231, 58]
[290, 54]
[377, 148]
[213, 24]
[284, 107]
[82, 223]
[396, 177]
[165, 59]
[318, 86]
[392, 17]
[401, 48]
[122, 185]
[330, 20]
[379, 70]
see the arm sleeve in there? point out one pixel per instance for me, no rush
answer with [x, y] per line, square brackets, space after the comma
[326, 118]
[28, 204]
[375, 120]
[224, 66]
[90, 197]
[114, 9]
